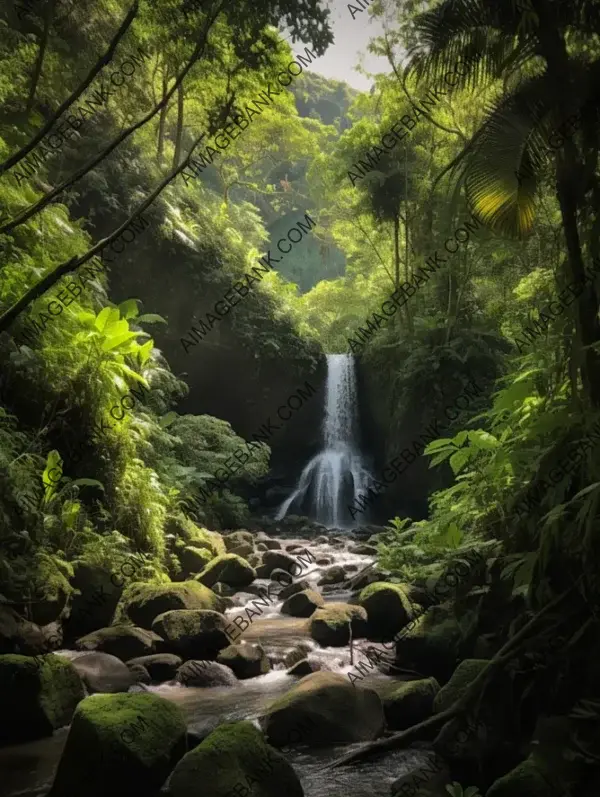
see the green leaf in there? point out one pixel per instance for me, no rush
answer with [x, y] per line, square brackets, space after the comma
[152, 318]
[435, 444]
[459, 459]
[113, 341]
[87, 483]
[129, 308]
[104, 317]
[483, 440]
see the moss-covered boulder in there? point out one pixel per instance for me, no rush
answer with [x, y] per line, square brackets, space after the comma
[193, 633]
[410, 702]
[427, 777]
[120, 745]
[204, 674]
[228, 569]
[234, 759]
[103, 673]
[462, 677]
[246, 661]
[304, 667]
[238, 538]
[322, 709]
[297, 654]
[185, 529]
[37, 696]
[429, 643]
[161, 666]
[142, 603]
[528, 779]
[194, 560]
[123, 641]
[330, 625]
[243, 550]
[303, 604]
[333, 575]
[388, 608]
[93, 604]
[18, 635]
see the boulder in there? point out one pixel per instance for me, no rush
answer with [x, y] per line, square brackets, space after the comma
[229, 569]
[101, 672]
[350, 569]
[243, 550]
[161, 666]
[363, 549]
[204, 673]
[529, 779]
[120, 745]
[246, 661]
[281, 578]
[329, 626]
[297, 654]
[323, 561]
[462, 677]
[281, 560]
[18, 635]
[223, 590]
[142, 603]
[428, 777]
[388, 608]
[302, 604]
[37, 695]
[139, 674]
[410, 702]
[292, 589]
[193, 633]
[321, 540]
[185, 529]
[324, 709]
[261, 547]
[123, 641]
[93, 604]
[193, 559]
[273, 545]
[237, 538]
[333, 575]
[304, 667]
[429, 643]
[234, 759]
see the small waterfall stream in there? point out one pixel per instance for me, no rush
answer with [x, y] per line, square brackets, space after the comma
[335, 475]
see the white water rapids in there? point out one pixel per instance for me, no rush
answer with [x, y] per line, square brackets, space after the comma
[334, 476]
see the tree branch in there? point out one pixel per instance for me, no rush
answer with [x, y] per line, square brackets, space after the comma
[47, 198]
[50, 279]
[39, 62]
[18, 156]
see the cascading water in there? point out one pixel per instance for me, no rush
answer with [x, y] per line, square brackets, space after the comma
[333, 477]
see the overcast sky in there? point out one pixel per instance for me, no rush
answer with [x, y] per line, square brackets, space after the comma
[351, 39]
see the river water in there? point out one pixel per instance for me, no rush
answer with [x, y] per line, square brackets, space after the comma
[28, 769]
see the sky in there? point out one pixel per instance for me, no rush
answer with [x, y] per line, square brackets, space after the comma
[351, 39]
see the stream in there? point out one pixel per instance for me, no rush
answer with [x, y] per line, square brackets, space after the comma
[28, 769]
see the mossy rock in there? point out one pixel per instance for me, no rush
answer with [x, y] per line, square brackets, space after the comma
[95, 600]
[410, 703]
[102, 672]
[303, 604]
[228, 569]
[329, 626]
[528, 779]
[185, 529]
[142, 603]
[120, 745]
[194, 560]
[234, 759]
[273, 560]
[238, 538]
[388, 608]
[333, 575]
[323, 709]
[244, 550]
[292, 589]
[193, 633]
[246, 661]
[18, 635]
[37, 696]
[429, 643]
[462, 677]
[123, 641]
[160, 666]
[204, 673]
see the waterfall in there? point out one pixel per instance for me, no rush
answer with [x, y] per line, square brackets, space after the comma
[334, 476]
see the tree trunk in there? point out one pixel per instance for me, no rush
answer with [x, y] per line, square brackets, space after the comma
[37, 71]
[179, 132]
[162, 119]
